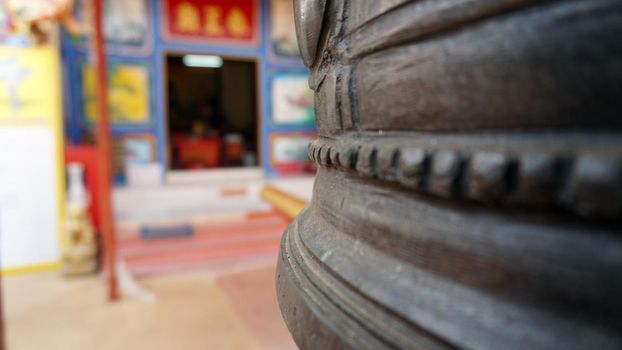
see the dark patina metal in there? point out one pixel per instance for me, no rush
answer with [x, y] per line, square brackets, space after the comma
[469, 191]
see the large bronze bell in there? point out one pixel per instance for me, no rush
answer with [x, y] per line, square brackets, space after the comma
[469, 191]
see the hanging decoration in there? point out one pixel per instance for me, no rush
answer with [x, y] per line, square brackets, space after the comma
[35, 19]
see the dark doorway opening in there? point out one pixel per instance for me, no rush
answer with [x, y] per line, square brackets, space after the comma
[212, 112]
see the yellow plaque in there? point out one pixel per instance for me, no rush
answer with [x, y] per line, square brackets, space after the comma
[29, 84]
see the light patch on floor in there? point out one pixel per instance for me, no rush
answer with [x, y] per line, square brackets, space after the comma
[195, 310]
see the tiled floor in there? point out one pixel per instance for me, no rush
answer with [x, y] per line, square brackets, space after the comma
[227, 304]
[224, 307]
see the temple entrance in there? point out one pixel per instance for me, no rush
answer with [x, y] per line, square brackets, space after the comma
[212, 112]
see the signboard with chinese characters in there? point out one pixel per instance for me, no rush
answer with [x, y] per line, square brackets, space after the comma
[218, 21]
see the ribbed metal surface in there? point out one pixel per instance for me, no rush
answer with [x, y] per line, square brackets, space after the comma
[469, 191]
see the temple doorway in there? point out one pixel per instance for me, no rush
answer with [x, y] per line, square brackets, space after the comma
[211, 110]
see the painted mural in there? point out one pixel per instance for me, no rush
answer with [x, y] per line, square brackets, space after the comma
[283, 29]
[289, 152]
[138, 149]
[128, 94]
[22, 76]
[14, 78]
[33, 22]
[132, 149]
[127, 24]
[292, 100]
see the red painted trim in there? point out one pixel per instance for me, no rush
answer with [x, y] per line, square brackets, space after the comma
[233, 191]
[105, 156]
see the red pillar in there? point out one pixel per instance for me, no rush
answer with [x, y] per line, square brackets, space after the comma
[105, 157]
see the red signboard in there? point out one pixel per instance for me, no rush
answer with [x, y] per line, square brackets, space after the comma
[228, 21]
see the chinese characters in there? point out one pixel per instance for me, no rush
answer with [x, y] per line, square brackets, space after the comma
[212, 19]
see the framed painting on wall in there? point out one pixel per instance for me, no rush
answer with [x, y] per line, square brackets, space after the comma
[127, 25]
[138, 148]
[289, 152]
[212, 21]
[292, 100]
[128, 94]
[132, 149]
[283, 30]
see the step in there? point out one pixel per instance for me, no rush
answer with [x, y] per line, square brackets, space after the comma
[257, 235]
[140, 247]
[242, 223]
[196, 258]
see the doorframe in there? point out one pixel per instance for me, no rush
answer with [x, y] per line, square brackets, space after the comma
[257, 62]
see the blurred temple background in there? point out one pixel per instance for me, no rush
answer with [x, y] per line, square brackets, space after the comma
[210, 116]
